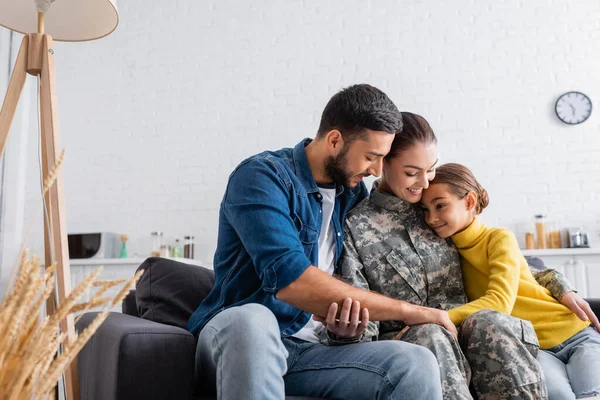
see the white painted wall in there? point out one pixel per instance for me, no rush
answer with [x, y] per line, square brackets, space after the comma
[155, 116]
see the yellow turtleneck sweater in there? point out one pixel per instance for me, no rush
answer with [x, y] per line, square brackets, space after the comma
[497, 276]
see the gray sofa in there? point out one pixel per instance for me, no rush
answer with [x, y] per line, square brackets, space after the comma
[146, 353]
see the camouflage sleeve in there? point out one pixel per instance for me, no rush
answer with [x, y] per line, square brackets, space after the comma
[554, 281]
[353, 273]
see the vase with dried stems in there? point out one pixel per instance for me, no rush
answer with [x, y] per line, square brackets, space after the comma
[33, 351]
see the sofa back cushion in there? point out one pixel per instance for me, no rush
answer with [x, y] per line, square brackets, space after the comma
[170, 291]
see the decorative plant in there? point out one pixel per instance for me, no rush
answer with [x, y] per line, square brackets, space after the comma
[34, 352]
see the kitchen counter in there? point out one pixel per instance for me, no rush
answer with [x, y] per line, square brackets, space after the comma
[562, 252]
[112, 269]
[125, 261]
[581, 266]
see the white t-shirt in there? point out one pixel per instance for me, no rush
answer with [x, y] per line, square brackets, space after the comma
[327, 248]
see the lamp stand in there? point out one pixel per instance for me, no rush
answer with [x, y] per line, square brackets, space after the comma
[36, 57]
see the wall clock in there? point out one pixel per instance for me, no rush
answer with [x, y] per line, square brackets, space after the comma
[573, 108]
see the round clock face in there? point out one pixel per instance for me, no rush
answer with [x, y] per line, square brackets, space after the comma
[573, 108]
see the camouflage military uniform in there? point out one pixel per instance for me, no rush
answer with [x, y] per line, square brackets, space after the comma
[389, 249]
[502, 353]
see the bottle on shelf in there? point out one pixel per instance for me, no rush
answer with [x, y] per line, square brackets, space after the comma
[540, 230]
[529, 241]
[123, 239]
[157, 242]
[177, 251]
[188, 247]
[165, 251]
[554, 236]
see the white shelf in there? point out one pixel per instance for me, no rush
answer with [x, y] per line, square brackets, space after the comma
[562, 252]
[123, 261]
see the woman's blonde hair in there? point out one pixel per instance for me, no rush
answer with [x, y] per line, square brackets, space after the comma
[461, 181]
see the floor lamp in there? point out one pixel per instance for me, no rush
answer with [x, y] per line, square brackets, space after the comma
[42, 21]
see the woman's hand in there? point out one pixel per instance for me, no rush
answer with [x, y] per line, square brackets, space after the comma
[580, 307]
[352, 322]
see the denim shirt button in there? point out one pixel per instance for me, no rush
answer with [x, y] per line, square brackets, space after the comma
[339, 234]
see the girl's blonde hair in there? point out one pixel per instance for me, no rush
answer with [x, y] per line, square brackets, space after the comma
[461, 181]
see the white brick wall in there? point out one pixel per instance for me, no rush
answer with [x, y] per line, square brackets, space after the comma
[155, 116]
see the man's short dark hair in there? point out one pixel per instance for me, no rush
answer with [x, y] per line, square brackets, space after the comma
[357, 108]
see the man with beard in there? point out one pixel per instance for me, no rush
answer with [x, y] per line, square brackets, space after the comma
[280, 235]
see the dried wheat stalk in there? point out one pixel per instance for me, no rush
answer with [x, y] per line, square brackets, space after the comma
[29, 364]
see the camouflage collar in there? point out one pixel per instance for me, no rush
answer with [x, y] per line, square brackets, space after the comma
[388, 201]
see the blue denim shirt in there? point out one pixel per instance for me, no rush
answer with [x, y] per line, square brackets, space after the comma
[269, 225]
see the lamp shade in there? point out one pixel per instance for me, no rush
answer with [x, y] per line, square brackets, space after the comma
[66, 20]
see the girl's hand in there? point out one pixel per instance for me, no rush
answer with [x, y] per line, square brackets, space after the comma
[580, 307]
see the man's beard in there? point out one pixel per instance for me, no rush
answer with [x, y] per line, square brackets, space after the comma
[336, 169]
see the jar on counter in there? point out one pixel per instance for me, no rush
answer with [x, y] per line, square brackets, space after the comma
[524, 231]
[554, 236]
[165, 251]
[529, 241]
[157, 242]
[540, 230]
[188, 247]
[177, 251]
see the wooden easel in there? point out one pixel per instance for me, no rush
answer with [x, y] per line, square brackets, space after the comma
[36, 57]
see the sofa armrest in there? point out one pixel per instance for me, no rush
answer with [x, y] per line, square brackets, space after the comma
[595, 304]
[133, 358]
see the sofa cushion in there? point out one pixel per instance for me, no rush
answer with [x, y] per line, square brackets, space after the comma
[169, 291]
[535, 263]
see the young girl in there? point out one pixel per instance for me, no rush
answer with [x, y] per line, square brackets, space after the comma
[496, 276]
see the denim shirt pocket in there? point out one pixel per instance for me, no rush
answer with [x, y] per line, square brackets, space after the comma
[408, 267]
[307, 235]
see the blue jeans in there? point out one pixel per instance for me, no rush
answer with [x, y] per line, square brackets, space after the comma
[241, 351]
[572, 368]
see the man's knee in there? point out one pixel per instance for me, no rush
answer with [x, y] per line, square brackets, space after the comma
[427, 361]
[424, 371]
[250, 322]
[416, 361]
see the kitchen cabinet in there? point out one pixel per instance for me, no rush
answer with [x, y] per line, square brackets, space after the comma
[580, 265]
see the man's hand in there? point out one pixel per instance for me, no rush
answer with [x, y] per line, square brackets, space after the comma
[416, 315]
[352, 322]
[580, 307]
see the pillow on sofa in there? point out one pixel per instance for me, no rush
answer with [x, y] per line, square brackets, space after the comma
[169, 291]
[535, 263]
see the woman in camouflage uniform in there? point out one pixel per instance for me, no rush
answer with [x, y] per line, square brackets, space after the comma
[389, 249]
